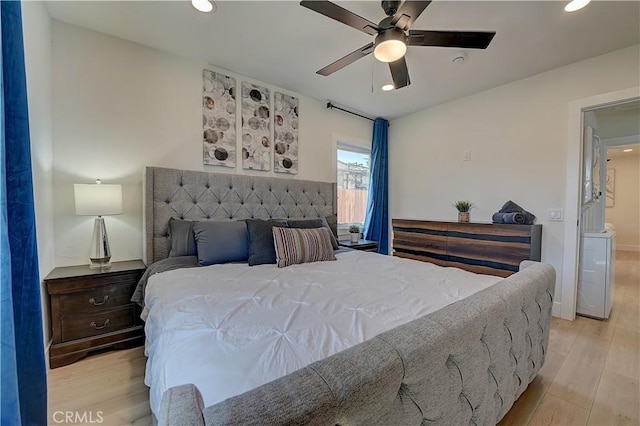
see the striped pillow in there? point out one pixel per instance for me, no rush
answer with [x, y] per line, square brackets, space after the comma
[300, 245]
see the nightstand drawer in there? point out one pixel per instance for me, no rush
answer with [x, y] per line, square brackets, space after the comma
[96, 299]
[79, 326]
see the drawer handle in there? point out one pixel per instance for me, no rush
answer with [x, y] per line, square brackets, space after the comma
[100, 327]
[104, 300]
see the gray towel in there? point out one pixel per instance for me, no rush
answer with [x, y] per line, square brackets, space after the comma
[516, 218]
[511, 207]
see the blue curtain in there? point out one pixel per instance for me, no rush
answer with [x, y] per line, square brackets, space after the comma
[22, 364]
[376, 225]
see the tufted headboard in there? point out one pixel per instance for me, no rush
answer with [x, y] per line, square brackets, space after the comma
[196, 195]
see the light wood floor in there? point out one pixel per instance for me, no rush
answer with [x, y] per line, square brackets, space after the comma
[590, 376]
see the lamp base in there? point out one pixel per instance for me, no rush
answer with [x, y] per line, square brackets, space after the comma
[100, 263]
[100, 255]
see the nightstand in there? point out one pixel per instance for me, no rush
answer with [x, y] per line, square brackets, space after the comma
[91, 309]
[363, 245]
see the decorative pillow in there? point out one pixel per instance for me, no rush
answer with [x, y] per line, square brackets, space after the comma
[221, 242]
[313, 223]
[261, 248]
[183, 242]
[332, 221]
[305, 223]
[299, 245]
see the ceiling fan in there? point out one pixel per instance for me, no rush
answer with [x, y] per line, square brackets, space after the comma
[393, 35]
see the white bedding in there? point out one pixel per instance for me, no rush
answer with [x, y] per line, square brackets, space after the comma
[230, 328]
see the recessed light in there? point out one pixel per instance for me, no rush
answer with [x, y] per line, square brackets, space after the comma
[627, 150]
[388, 87]
[576, 5]
[204, 5]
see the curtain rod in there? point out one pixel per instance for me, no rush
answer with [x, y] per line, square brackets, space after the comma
[331, 106]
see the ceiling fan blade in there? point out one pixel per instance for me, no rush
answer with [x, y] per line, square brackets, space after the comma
[408, 13]
[399, 73]
[341, 14]
[343, 62]
[465, 39]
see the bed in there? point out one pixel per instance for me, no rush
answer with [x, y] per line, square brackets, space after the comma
[364, 339]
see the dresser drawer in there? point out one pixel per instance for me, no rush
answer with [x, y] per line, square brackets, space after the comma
[96, 299]
[80, 326]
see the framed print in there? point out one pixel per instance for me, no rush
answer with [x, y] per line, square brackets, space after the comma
[218, 119]
[286, 134]
[256, 127]
[610, 187]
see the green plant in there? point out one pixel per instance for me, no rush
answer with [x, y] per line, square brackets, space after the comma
[463, 206]
[354, 229]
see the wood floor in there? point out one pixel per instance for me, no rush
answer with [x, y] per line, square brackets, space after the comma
[590, 376]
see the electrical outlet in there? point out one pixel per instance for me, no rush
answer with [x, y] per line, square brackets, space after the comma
[556, 215]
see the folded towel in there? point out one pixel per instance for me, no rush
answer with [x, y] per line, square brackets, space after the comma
[512, 218]
[511, 207]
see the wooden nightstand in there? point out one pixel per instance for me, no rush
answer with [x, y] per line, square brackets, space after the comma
[91, 309]
[364, 245]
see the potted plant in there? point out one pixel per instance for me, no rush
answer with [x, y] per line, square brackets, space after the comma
[354, 230]
[464, 207]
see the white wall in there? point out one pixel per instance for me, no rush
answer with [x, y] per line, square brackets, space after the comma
[38, 60]
[517, 134]
[625, 213]
[120, 106]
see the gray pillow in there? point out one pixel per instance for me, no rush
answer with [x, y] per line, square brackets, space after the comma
[221, 242]
[314, 223]
[332, 221]
[183, 242]
[261, 248]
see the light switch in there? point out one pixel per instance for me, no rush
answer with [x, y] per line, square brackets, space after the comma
[467, 155]
[555, 215]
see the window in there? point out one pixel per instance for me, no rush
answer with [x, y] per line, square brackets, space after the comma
[353, 185]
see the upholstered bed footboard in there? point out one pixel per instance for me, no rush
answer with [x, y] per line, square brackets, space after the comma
[464, 364]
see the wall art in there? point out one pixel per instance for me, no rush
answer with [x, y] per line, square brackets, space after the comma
[218, 119]
[610, 187]
[286, 134]
[256, 127]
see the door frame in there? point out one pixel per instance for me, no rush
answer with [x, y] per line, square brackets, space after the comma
[574, 190]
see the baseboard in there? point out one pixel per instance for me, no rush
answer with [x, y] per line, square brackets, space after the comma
[46, 353]
[556, 309]
[627, 247]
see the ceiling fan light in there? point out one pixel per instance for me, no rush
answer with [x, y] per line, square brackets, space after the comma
[574, 5]
[390, 46]
[203, 5]
[390, 50]
[387, 87]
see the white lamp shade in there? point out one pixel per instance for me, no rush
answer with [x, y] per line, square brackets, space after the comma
[97, 199]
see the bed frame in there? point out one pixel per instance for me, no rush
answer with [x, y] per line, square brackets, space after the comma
[464, 364]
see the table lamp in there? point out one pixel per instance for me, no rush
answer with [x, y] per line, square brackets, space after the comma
[98, 199]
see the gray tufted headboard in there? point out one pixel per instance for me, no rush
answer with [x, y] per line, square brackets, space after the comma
[196, 195]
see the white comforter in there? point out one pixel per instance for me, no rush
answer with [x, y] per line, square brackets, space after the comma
[230, 328]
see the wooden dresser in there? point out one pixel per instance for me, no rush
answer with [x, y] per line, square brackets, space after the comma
[484, 248]
[91, 309]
